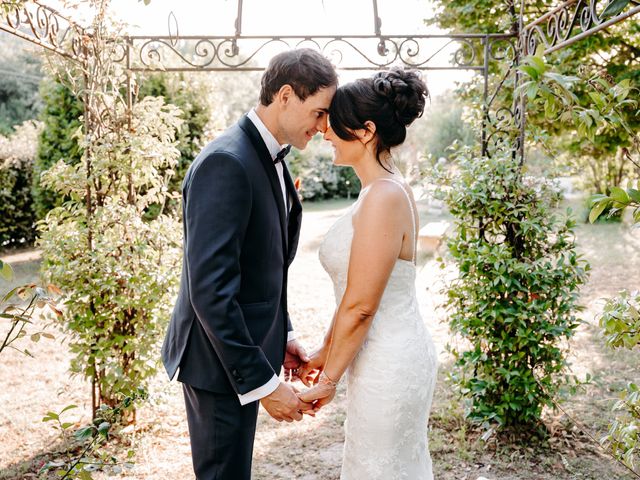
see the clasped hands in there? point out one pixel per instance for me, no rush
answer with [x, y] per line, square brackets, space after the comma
[287, 402]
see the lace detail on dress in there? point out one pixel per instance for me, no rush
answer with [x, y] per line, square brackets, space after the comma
[391, 381]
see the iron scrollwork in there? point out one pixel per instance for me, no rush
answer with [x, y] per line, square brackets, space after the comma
[43, 26]
[570, 21]
[423, 52]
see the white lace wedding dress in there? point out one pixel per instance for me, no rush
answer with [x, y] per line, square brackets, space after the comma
[391, 381]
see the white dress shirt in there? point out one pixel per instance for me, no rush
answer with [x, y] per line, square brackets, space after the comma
[274, 148]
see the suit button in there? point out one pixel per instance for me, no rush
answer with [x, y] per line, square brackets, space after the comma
[239, 380]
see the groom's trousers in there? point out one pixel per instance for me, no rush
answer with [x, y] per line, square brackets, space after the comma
[222, 433]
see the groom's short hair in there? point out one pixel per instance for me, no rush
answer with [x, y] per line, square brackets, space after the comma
[306, 70]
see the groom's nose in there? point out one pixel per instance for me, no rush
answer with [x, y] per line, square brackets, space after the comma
[321, 126]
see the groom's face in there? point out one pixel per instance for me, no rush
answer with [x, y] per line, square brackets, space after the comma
[300, 120]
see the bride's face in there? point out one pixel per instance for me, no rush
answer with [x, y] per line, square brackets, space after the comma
[346, 152]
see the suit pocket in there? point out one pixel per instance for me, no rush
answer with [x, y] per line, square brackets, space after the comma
[254, 305]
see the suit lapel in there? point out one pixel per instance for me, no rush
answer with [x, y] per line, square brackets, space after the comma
[267, 162]
[295, 215]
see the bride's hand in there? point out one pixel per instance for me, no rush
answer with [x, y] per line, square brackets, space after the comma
[309, 372]
[321, 394]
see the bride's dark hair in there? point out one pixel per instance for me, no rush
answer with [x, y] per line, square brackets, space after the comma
[392, 100]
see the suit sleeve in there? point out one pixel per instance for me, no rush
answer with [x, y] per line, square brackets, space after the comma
[217, 210]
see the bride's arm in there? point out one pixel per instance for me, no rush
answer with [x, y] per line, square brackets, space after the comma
[309, 372]
[377, 241]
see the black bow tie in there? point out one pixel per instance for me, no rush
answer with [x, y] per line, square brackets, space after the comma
[281, 154]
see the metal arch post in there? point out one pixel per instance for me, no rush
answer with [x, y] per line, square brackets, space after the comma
[520, 100]
[377, 22]
[485, 95]
[238, 24]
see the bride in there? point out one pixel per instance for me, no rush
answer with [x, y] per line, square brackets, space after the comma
[377, 334]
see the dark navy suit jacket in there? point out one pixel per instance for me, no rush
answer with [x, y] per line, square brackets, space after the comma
[229, 327]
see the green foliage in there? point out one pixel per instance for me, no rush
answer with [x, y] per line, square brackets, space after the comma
[444, 125]
[17, 153]
[614, 8]
[319, 178]
[58, 141]
[515, 299]
[610, 55]
[602, 112]
[476, 16]
[605, 109]
[620, 321]
[87, 446]
[616, 202]
[6, 272]
[63, 111]
[19, 79]
[18, 308]
[191, 99]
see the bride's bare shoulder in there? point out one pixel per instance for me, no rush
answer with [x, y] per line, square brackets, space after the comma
[380, 199]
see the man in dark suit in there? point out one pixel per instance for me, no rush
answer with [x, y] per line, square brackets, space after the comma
[230, 332]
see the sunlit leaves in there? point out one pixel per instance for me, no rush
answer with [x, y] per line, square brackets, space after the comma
[6, 272]
[614, 8]
[120, 269]
[515, 300]
[620, 321]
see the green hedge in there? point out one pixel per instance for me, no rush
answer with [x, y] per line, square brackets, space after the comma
[17, 216]
[61, 117]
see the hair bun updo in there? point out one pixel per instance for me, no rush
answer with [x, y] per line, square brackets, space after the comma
[392, 100]
[405, 91]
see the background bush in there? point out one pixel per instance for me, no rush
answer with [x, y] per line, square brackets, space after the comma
[515, 299]
[319, 178]
[17, 217]
[58, 140]
[21, 75]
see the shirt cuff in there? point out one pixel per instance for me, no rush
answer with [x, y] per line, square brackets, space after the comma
[291, 336]
[260, 392]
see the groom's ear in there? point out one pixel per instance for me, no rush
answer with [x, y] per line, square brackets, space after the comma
[284, 94]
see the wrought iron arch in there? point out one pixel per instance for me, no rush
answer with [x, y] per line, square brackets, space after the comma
[561, 26]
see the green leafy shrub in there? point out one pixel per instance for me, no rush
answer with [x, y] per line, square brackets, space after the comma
[618, 200]
[601, 112]
[515, 298]
[620, 321]
[190, 98]
[62, 119]
[18, 307]
[58, 140]
[119, 269]
[17, 153]
[87, 448]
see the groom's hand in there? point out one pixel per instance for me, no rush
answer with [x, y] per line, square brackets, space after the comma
[294, 357]
[284, 404]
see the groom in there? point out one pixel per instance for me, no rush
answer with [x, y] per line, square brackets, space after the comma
[230, 332]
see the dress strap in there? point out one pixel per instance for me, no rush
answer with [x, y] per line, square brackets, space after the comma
[413, 214]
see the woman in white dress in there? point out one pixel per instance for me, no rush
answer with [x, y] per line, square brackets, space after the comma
[377, 335]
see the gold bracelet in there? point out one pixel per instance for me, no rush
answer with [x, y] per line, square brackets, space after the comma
[324, 376]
